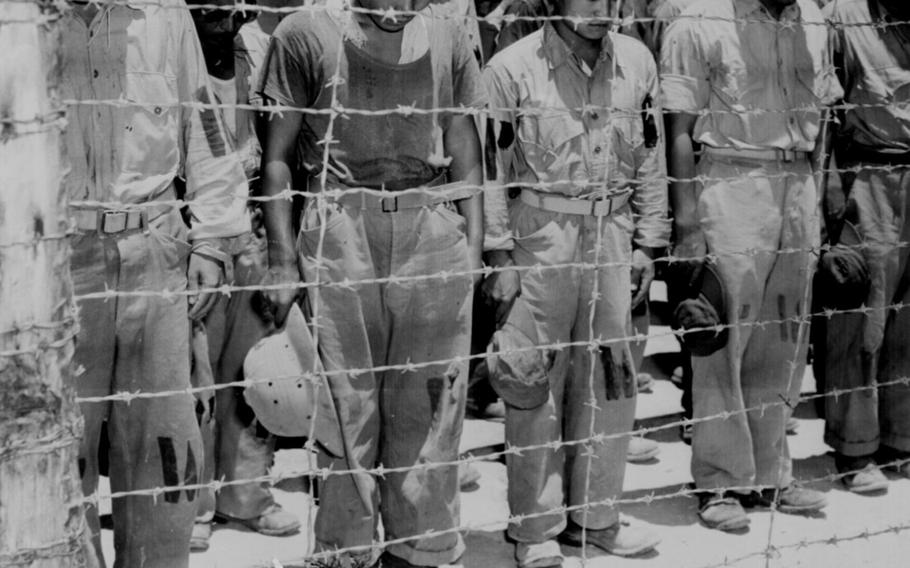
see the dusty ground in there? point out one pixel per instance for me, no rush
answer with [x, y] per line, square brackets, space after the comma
[855, 531]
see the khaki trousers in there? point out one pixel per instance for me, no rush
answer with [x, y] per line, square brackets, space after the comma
[236, 447]
[591, 392]
[760, 218]
[863, 349]
[139, 344]
[397, 418]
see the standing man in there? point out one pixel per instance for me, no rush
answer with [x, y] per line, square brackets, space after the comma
[236, 446]
[139, 67]
[761, 70]
[864, 348]
[580, 137]
[369, 227]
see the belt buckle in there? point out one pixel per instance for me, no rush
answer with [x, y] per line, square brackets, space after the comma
[111, 222]
[393, 208]
[786, 155]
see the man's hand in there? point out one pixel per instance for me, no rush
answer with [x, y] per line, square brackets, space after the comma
[203, 273]
[642, 274]
[501, 288]
[277, 301]
[691, 249]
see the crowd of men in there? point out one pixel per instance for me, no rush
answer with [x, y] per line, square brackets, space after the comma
[568, 154]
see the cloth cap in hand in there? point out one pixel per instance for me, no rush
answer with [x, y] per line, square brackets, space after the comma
[705, 307]
[517, 368]
[843, 274]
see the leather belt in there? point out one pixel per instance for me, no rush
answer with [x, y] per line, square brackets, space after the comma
[110, 221]
[600, 207]
[393, 201]
[771, 155]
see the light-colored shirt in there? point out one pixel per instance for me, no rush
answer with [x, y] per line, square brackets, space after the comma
[663, 12]
[875, 63]
[763, 82]
[579, 132]
[134, 66]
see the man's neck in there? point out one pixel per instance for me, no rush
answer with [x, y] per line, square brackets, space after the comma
[775, 9]
[382, 44]
[87, 11]
[586, 49]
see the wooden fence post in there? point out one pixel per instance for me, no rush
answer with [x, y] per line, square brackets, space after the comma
[41, 513]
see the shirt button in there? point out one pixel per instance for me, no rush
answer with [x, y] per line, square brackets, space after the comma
[598, 149]
[595, 116]
[157, 110]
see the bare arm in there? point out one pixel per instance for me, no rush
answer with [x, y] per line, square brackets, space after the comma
[280, 137]
[462, 144]
[689, 241]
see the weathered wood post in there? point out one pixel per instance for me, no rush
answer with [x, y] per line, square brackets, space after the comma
[41, 512]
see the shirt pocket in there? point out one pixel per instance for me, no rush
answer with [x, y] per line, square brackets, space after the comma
[148, 125]
[552, 144]
[732, 88]
[628, 138]
[812, 82]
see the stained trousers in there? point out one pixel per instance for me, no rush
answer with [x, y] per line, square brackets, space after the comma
[236, 447]
[761, 220]
[139, 344]
[868, 348]
[403, 417]
[592, 392]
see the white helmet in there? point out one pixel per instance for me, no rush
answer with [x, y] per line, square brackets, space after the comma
[286, 386]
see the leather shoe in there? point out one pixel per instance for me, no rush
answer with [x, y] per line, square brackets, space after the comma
[722, 512]
[641, 450]
[545, 554]
[274, 521]
[621, 539]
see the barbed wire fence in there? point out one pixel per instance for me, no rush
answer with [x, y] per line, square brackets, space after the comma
[58, 329]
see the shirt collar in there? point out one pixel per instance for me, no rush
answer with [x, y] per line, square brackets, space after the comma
[558, 52]
[744, 8]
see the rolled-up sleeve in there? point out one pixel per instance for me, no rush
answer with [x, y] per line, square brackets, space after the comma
[683, 68]
[503, 98]
[649, 200]
[830, 90]
[216, 186]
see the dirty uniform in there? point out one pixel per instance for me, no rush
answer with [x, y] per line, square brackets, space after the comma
[395, 418]
[147, 60]
[237, 447]
[607, 158]
[764, 85]
[863, 349]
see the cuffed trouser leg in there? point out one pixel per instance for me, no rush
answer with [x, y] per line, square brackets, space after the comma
[870, 348]
[365, 325]
[154, 442]
[760, 220]
[244, 449]
[591, 392]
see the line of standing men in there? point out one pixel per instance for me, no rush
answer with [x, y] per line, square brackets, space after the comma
[575, 123]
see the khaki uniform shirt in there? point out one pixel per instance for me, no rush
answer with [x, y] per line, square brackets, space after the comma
[876, 74]
[579, 132]
[762, 81]
[127, 76]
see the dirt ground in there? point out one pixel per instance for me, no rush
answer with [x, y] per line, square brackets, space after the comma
[854, 531]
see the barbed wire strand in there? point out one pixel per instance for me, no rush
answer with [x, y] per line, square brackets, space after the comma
[65, 330]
